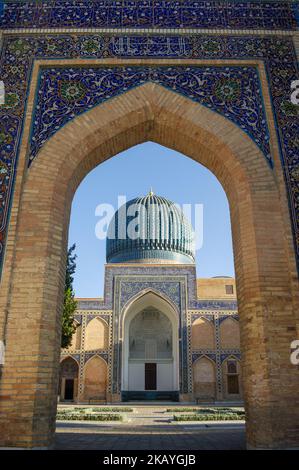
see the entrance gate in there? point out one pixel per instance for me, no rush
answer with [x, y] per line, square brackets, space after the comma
[76, 98]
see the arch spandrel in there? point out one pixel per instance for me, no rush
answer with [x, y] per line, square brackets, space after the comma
[67, 92]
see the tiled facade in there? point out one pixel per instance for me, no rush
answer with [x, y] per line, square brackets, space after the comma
[151, 14]
[177, 284]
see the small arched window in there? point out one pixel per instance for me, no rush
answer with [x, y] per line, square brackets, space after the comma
[233, 387]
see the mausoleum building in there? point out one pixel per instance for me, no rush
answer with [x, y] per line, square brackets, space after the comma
[159, 333]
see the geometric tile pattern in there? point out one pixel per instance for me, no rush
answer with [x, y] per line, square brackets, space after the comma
[148, 14]
[219, 381]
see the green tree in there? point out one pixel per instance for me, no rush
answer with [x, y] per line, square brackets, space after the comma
[69, 304]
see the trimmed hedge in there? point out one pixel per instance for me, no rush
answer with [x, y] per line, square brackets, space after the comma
[114, 410]
[95, 410]
[87, 417]
[206, 410]
[210, 417]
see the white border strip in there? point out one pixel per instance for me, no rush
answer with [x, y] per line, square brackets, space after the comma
[162, 31]
[2, 101]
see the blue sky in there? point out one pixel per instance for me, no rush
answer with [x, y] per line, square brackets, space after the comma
[132, 173]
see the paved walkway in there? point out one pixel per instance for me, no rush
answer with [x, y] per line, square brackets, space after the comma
[150, 428]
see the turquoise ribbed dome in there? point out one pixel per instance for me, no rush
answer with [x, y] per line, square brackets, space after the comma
[150, 229]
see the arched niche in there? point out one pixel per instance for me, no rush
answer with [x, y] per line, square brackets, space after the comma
[68, 379]
[202, 334]
[230, 334]
[204, 379]
[76, 338]
[95, 379]
[167, 367]
[96, 335]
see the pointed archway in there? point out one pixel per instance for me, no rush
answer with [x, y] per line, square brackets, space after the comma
[150, 320]
[33, 277]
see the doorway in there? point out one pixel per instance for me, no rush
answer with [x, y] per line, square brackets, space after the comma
[69, 389]
[68, 381]
[150, 376]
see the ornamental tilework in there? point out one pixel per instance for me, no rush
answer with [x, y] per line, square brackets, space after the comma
[234, 92]
[66, 354]
[78, 319]
[148, 14]
[233, 353]
[88, 356]
[18, 54]
[158, 282]
[214, 304]
[104, 317]
[195, 316]
[197, 355]
[90, 304]
[224, 317]
[170, 289]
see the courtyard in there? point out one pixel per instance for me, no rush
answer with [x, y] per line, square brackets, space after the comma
[149, 427]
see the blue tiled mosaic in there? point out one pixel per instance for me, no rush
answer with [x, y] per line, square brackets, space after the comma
[225, 317]
[296, 12]
[233, 354]
[214, 305]
[170, 289]
[233, 92]
[149, 14]
[196, 356]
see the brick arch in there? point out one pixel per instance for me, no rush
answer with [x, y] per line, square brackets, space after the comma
[37, 240]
